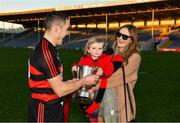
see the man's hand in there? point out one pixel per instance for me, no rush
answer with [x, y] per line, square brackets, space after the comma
[91, 79]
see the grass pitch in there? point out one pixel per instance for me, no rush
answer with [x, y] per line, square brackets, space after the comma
[157, 90]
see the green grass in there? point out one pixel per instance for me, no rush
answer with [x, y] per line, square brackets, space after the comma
[157, 90]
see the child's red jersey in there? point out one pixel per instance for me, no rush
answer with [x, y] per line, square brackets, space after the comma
[104, 61]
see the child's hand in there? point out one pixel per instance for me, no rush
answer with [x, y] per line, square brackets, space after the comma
[74, 68]
[91, 91]
[99, 71]
[74, 71]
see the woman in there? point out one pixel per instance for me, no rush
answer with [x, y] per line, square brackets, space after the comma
[114, 107]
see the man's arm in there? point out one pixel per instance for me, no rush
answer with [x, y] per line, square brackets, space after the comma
[64, 88]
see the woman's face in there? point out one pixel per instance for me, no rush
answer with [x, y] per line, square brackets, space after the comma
[96, 49]
[123, 38]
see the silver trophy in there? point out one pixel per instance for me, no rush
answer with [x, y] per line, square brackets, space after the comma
[82, 95]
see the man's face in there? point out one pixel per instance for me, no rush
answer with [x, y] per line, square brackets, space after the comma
[63, 31]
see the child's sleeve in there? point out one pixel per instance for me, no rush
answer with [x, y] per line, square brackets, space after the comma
[117, 61]
[107, 66]
[82, 61]
[108, 71]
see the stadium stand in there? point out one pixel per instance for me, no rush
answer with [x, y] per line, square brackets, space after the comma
[26, 39]
[78, 39]
[157, 15]
[175, 38]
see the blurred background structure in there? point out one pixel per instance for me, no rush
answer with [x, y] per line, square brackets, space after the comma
[158, 22]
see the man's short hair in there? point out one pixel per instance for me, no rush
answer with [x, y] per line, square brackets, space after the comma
[54, 18]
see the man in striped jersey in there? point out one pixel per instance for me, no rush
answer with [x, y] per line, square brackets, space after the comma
[45, 74]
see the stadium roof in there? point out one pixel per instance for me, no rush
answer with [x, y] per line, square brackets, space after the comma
[96, 13]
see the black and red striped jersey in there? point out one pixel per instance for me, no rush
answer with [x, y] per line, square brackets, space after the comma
[44, 64]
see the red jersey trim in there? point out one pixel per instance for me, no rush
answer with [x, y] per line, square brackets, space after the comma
[40, 118]
[49, 59]
[38, 84]
[34, 71]
[44, 97]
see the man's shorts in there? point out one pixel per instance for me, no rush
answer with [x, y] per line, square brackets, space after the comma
[45, 112]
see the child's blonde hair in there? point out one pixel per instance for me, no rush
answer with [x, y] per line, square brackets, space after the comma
[97, 39]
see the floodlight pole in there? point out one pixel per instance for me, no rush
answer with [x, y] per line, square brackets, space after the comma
[12, 38]
[69, 30]
[3, 30]
[152, 23]
[106, 25]
[38, 29]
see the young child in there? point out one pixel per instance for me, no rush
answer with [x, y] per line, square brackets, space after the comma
[95, 57]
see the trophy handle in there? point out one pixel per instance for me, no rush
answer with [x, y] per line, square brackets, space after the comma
[76, 74]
